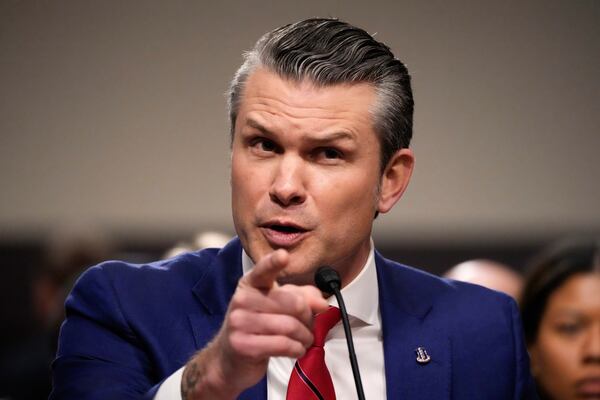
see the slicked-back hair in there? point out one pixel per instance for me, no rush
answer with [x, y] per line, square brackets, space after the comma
[329, 52]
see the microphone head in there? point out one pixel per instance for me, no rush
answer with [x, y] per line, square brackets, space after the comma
[327, 279]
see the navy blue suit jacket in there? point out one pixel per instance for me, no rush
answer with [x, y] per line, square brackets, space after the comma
[128, 327]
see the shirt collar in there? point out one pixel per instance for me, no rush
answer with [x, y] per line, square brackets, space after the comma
[361, 296]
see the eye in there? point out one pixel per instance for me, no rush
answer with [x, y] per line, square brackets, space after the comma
[331, 153]
[263, 145]
[568, 328]
[328, 154]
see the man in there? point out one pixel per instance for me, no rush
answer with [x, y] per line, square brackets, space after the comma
[321, 118]
[490, 274]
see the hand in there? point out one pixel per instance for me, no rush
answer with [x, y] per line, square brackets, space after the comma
[263, 320]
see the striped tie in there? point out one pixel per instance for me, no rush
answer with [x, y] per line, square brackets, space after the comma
[310, 377]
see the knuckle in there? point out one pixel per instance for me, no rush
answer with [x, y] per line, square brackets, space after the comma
[299, 305]
[295, 301]
[237, 319]
[288, 326]
[296, 349]
[238, 299]
[301, 349]
[309, 340]
[252, 352]
[237, 342]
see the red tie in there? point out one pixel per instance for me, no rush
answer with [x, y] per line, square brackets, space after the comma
[310, 377]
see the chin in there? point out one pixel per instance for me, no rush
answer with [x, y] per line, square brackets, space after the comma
[297, 276]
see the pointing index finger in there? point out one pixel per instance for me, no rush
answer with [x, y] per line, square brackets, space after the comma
[263, 274]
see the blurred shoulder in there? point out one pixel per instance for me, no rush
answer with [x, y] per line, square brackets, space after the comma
[446, 294]
[184, 269]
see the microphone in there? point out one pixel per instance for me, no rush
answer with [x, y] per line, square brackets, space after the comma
[328, 280]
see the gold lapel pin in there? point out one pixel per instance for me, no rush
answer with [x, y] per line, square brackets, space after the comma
[422, 356]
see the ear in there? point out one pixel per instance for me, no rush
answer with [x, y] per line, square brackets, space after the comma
[395, 178]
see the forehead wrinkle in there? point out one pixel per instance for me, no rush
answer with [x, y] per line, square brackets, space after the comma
[275, 105]
[275, 90]
[290, 88]
[282, 105]
[344, 135]
[349, 122]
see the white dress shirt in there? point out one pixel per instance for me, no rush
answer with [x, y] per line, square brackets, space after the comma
[362, 303]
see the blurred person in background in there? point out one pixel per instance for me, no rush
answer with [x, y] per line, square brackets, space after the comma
[561, 318]
[201, 241]
[490, 274]
[25, 369]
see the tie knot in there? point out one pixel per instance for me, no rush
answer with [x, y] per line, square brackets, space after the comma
[323, 323]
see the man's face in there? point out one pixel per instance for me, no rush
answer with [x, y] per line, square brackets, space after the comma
[305, 174]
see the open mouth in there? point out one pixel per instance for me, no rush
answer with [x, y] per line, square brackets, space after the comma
[286, 228]
[283, 235]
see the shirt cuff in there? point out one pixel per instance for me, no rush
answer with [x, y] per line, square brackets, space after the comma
[171, 387]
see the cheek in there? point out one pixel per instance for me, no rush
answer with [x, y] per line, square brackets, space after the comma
[555, 363]
[245, 183]
[355, 192]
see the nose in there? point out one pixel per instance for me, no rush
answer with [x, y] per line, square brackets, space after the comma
[591, 349]
[287, 188]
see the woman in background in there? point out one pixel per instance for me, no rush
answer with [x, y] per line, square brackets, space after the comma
[561, 318]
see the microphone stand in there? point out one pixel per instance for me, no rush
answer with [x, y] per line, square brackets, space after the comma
[328, 280]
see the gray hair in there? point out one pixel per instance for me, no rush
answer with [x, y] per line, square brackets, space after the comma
[330, 52]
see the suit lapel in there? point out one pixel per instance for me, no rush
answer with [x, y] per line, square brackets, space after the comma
[214, 290]
[407, 324]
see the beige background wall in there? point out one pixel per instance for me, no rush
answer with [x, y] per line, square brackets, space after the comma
[112, 113]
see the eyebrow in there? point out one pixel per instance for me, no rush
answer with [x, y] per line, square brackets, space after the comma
[568, 312]
[253, 124]
[328, 137]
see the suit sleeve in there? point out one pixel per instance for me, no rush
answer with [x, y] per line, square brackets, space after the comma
[525, 385]
[99, 355]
